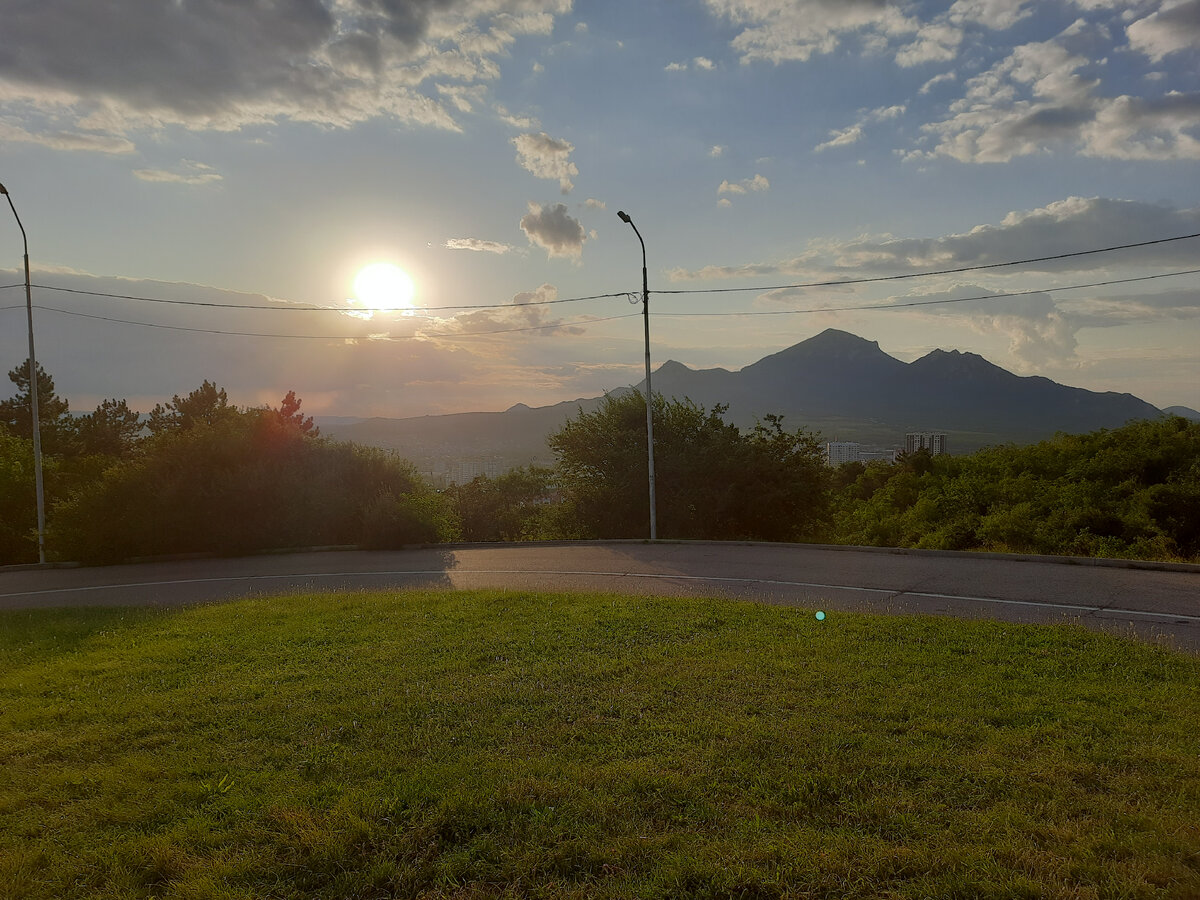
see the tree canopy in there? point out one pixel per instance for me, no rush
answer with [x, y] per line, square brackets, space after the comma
[712, 481]
[54, 418]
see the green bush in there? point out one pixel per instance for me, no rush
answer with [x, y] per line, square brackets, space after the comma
[247, 482]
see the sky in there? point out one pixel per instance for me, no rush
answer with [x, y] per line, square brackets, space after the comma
[234, 165]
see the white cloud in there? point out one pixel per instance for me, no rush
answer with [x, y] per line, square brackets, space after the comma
[554, 230]
[523, 122]
[529, 313]
[1169, 29]
[92, 67]
[193, 173]
[841, 138]
[717, 151]
[1039, 332]
[1034, 101]
[934, 43]
[936, 80]
[853, 133]
[702, 63]
[783, 30]
[546, 157]
[593, 203]
[477, 244]
[758, 184]
[67, 140]
[994, 14]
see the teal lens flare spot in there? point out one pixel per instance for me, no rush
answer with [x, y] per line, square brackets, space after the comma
[820, 615]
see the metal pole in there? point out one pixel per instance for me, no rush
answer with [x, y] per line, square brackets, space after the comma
[33, 395]
[649, 390]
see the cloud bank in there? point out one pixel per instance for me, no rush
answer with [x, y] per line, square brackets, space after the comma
[88, 73]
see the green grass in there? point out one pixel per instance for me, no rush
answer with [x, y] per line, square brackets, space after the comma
[494, 744]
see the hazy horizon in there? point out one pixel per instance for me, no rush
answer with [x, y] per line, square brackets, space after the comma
[263, 156]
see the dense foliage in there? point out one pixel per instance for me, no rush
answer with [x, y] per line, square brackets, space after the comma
[712, 481]
[202, 475]
[518, 505]
[208, 477]
[1128, 492]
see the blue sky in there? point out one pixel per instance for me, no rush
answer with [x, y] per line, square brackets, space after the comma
[261, 153]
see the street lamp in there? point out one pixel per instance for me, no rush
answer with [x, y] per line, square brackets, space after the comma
[33, 395]
[624, 217]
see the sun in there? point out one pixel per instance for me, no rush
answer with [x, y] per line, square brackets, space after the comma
[385, 287]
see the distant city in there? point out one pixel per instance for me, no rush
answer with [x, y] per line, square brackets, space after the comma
[839, 453]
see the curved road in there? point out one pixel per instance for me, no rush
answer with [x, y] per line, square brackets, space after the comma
[1152, 602]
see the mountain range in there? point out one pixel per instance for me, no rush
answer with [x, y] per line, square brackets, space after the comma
[836, 383]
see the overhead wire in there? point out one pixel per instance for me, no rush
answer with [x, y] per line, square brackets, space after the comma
[931, 273]
[332, 337]
[911, 303]
[481, 306]
[310, 308]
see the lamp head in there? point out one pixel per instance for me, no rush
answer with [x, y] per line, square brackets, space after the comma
[624, 217]
[3, 189]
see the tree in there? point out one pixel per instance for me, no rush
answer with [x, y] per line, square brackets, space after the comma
[54, 419]
[289, 411]
[18, 521]
[712, 481]
[206, 405]
[509, 507]
[112, 429]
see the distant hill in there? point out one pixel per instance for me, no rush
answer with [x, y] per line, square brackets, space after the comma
[837, 383]
[1185, 411]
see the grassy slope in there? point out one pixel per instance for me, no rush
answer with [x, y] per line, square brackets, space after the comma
[492, 744]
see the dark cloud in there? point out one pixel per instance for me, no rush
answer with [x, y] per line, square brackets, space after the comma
[553, 229]
[1065, 226]
[111, 67]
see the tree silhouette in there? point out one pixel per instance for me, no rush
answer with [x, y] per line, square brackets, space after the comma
[54, 418]
[206, 405]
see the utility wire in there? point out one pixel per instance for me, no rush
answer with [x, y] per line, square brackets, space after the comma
[1015, 262]
[796, 286]
[330, 337]
[774, 312]
[780, 287]
[823, 309]
[341, 309]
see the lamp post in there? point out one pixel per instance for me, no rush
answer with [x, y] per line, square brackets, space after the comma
[33, 395]
[624, 217]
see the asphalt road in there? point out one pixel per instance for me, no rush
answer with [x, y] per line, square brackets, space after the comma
[1153, 603]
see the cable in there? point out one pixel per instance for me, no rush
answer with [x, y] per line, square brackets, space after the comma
[1015, 262]
[822, 309]
[809, 284]
[341, 309]
[327, 337]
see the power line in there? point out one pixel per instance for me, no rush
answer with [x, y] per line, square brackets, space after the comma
[976, 268]
[776, 312]
[340, 309]
[329, 337]
[780, 287]
[823, 309]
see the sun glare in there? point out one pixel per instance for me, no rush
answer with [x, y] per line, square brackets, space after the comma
[385, 287]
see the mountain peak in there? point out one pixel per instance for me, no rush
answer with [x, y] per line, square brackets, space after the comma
[948, 363]
[829, 347]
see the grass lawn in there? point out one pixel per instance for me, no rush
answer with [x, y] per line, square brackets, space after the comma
[492, 744]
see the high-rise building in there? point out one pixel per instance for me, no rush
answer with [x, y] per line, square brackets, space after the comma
[839, 452]
[933, 441]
